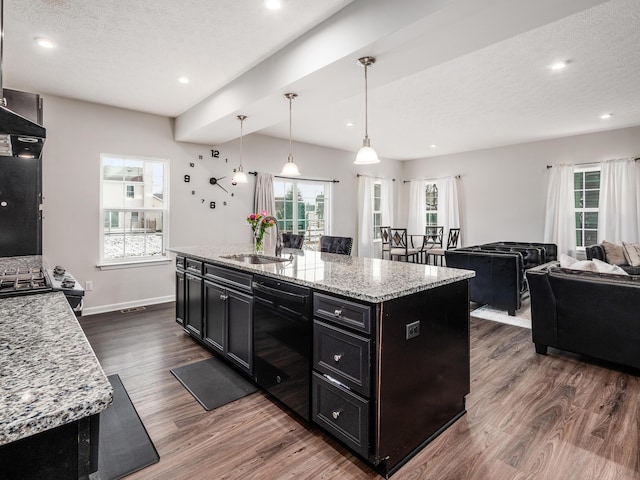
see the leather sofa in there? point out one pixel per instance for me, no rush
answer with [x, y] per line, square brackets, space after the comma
[589, 313]
[500, 270]
[597, 251]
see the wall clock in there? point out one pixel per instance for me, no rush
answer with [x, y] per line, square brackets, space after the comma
[221, 186]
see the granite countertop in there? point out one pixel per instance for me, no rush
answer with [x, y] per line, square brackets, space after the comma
[26, 262]
[370, 279]
[48, 371]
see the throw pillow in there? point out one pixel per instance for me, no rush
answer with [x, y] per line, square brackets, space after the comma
[566, 261]
[614, 253]
[583, 265]
[604, 267]
[632, 253]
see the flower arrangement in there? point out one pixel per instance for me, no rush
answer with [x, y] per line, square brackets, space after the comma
[259, 226]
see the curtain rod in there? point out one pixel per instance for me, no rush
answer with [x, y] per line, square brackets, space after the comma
[589, 163]
[305, 179]
[371, 176]
[428, 179]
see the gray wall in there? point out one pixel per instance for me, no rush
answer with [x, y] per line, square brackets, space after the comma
[503, 190]
[78, 132]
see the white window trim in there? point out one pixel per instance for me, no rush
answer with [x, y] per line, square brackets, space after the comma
[130, 262]
[578, 169]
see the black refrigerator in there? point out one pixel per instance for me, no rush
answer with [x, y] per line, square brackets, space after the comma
[21, 188]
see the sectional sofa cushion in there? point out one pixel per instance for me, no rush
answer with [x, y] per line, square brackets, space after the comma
[594, 265]
[632, 253]
[615, 253]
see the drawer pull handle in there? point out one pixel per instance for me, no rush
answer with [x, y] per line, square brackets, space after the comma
[335, 414]
[337, 357]
[223, 296]
[337, 312]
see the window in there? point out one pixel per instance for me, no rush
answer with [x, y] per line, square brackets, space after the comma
[134, 206]
[377, 209]
[432, 203]
[586, 185]
[302, 207]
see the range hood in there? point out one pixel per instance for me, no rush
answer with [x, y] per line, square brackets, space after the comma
[19, 136]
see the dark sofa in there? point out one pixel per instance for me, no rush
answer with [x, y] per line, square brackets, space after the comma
[590, 313]
[500, 270]
[597, 251]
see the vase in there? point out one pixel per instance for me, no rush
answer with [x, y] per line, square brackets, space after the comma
[258, 243]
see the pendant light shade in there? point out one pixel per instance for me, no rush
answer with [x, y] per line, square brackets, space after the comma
[366, 155]
[290, 169]
[240, 176]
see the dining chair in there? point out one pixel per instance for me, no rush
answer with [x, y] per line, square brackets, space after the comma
[432, 239]
[399, 246]
[292, 240]
[452, 242]
[342, 245]
[385, 236]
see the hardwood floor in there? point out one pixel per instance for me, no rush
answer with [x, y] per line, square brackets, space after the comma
[559, 416]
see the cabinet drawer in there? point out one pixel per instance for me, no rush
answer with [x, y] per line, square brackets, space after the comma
[343, 414]
[342, 355]
[194, 266]
[354, 315]
[228, 277]
[180, 262]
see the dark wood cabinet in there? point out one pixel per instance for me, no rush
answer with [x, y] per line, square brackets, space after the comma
[193, 304]
[228, 315]
[180, 288]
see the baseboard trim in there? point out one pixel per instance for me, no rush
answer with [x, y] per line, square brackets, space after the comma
[123, 305]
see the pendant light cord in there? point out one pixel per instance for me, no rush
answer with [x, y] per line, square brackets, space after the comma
[290, 148]
[366, 104]
[241, 122]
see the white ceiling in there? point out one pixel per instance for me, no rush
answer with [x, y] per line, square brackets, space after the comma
[461, 74]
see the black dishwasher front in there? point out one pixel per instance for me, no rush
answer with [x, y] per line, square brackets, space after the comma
[282, 329]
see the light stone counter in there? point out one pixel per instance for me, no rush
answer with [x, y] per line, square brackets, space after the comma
[49, 374]
[369, 279]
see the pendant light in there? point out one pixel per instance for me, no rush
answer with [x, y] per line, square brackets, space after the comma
[240, 176]
[366, 155]
[290, 169]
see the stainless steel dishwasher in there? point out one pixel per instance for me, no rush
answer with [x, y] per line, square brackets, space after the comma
[282, 329]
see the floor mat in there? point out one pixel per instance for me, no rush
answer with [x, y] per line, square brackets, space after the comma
[213, 383]
[125, 446]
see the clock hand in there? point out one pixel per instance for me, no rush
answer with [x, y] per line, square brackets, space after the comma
[222, 187]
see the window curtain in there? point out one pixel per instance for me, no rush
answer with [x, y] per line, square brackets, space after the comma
[264, 199]
[560, 220]
[448, 206]
[417, 219]
[618, 207]
[387, 196]
[365, 216]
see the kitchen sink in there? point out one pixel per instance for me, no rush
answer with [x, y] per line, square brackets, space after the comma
[255, 259]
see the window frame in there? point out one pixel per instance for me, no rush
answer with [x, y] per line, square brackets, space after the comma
[584, 210]
[431, 214]
[295, 220]
[133, 260]
[377, 213]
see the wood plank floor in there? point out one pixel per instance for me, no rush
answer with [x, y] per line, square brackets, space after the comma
[559, 416]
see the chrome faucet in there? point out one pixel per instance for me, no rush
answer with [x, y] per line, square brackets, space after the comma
[278, 237]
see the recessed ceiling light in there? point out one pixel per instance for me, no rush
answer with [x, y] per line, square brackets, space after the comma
[433, 145]
[606, 116]
[45, 42]
[273, 4]
[351, 124]
[183, 80]
[559, 65]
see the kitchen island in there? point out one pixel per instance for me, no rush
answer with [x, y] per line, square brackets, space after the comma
[52, 390]
[387, 368]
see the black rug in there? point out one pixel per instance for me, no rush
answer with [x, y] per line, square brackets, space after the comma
[125, 446]
[213, 383]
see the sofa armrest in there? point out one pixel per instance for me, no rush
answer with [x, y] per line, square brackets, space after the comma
[544, 322]
[595, 251]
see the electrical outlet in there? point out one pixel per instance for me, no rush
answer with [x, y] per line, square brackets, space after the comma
[412, 329]
[88, 285]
